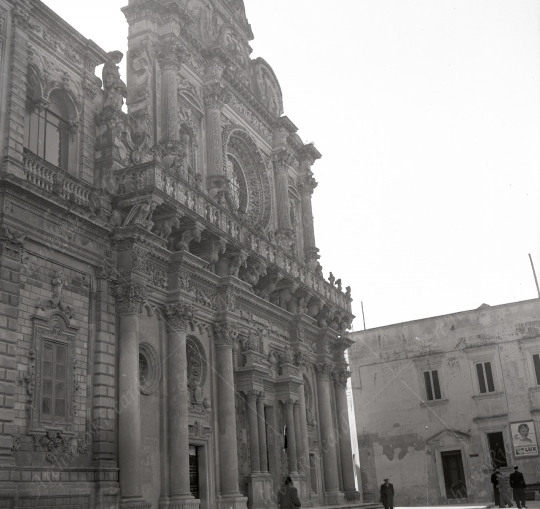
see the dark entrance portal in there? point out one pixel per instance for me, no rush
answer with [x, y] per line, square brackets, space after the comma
[454, 476]
[194, 471]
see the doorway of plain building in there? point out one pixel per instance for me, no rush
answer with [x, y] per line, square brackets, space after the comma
[454, 475]
[194, 486]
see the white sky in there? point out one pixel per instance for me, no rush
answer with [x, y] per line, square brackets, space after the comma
[427, 114]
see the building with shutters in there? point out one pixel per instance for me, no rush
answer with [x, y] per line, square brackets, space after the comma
[440, 402]
[164, 320]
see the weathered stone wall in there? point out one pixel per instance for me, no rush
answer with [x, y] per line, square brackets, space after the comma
[399, 432]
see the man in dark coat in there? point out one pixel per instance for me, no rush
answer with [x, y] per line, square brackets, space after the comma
[387, 495]
[495, 481]
[517, 482]
[288, 496]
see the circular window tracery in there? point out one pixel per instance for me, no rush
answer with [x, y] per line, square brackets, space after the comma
[237, 184]
[149, 369]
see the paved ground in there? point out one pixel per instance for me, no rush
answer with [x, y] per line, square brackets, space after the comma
[531, 504]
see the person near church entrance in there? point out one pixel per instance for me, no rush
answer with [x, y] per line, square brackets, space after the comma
[288, 495]
[495, 481]
[503, 487]
[387, 495]
[517, 482]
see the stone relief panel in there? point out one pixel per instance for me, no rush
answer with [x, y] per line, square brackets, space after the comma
[197, 371]
[242, 441]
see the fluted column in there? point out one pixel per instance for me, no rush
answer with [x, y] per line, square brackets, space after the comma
[253, 432]
[225, 336]
[291, 437]
[215, 96]
[177, 318]
[130, 298]
[170, 57]
[347, 470]
[328, 438]
[306, 186]
[304, 464]
[263, 450]
[281, 173]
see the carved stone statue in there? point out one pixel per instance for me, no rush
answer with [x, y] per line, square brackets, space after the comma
[348, 292]
[331, 278]
[252, 273]
[215, 248]
[115, 88]
[282, 297]
[237, 261]
[164, 227]
[338, 284]
[269, 286]
[141, 214]
[182, 243]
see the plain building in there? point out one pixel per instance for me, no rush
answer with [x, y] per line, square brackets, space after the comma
[439, 402]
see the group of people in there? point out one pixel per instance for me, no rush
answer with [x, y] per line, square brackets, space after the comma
[504, 487]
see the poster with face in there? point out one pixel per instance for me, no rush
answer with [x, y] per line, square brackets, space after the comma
[524, 439]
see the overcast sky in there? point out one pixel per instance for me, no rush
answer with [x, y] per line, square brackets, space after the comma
[427, 114]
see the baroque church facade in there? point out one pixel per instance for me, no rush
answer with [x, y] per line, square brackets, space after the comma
[167, 337]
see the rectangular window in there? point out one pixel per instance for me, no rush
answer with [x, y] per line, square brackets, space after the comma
[433, 388]
[485, 377]
[496, 449]
[54, 378]
[536, 360]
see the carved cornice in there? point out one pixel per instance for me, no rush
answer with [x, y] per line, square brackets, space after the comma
[178, 316]
[130, 298]
[225, 334]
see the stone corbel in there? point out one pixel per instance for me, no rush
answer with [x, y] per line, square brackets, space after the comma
[252, 273]
[237, 260]
[282, 296]
[267, 285]
[188, 235]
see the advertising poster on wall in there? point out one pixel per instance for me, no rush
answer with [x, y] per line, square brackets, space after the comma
[524, 439]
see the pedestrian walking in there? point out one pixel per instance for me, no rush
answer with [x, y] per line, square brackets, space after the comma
[387, 495]
[504, 489]
[288, 495]
[494, 481]
[517, 482]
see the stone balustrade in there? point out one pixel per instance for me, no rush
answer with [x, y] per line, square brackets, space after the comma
[193, 197]
[55, 180]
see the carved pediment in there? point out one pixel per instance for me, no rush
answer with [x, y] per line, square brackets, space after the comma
[448, 437]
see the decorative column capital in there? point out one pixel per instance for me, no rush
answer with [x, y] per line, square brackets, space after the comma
[289, 404]
[130, 298]
[178, 316]
[215, 96]
[282, 160]
[324, 369]
[307, 184]
[171, 56]
[225, 334]
[301, 359]
[340, 376]
[261, 397]
[252, 395]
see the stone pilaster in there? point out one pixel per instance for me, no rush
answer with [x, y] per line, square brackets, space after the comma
[291, 437]
[225, 336]
[253, 432]
[170, 59]
[347, 470]
[177, 318]
[10, 269]
[303, 458]
[306, 186]
[332, 493]
[281, 173]
[263, 455]
[215, 96]
[130, 299]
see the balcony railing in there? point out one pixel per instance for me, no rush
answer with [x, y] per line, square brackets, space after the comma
[55, 180]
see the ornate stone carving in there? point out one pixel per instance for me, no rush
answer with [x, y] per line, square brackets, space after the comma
[182, 242]
[253, 272]
[225, 334]
[142, 261]
[55, 443]
[215, 96]
[115, 88]
[149, 368]
[324, 368]
[301, 359]
[130, 298]
[197, 367]
[141, 214]
[58, 283]
[178, 316]
[340, 376]
[164, 227]
[286, 357]
[171, 56]
[237, 261]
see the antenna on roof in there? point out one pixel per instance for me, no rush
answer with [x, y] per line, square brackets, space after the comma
[364, 318]
[534, 274]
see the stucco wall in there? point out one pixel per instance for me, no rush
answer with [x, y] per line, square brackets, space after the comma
[400, 435]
